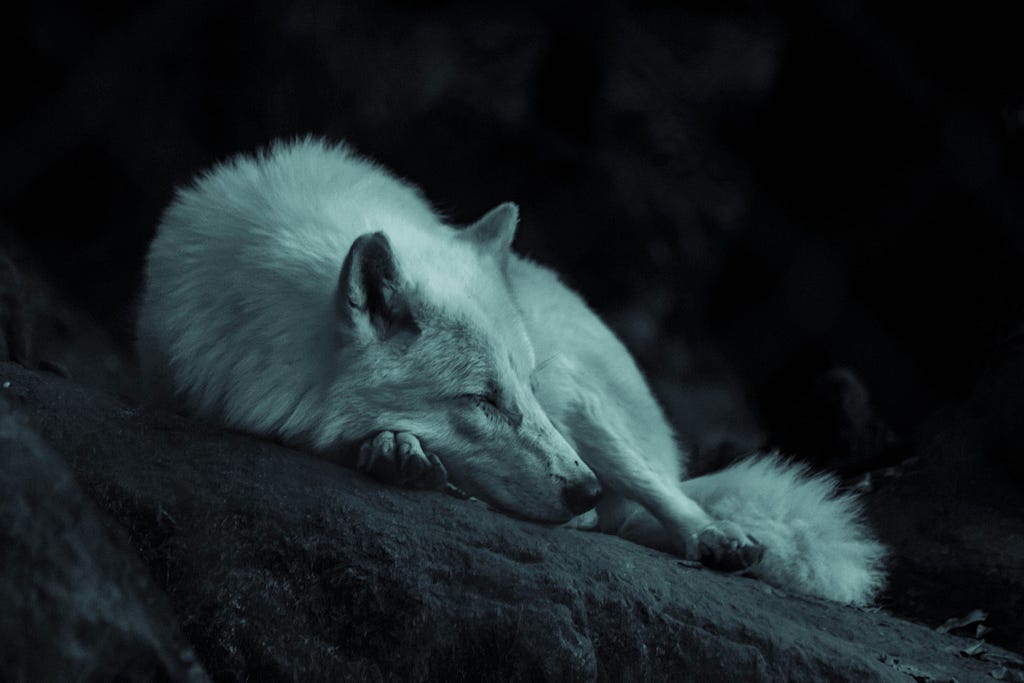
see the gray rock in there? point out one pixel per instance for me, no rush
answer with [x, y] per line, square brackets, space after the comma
[77, 602]
[279, 565]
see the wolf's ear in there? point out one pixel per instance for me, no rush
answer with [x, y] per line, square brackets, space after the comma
[371, 296]
[494, 232]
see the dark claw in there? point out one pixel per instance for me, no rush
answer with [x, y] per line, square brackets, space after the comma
[727, 552]
[435, 478]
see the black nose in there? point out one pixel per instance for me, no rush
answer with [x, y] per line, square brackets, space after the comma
[582, 496]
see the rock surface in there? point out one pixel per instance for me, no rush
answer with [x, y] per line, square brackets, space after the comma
[78, 603]
[278, 565]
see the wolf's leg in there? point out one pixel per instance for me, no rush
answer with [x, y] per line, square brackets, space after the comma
[641, 504]
[398, 458]
[685, 527]
[719, 544]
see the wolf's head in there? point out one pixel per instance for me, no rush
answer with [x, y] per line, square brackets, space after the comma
[436, 346]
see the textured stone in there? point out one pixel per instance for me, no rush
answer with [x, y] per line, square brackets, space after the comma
[77, 602]
[280, 565]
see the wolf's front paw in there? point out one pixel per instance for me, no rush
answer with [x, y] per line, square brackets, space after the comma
[725, 546]
[398, 458]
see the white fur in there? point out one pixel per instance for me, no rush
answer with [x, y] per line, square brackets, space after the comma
[816, 538]
[245, 320]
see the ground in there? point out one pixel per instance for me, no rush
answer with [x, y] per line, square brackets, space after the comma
[184, 551]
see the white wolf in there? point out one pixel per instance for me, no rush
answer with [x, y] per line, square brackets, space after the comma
[307, 294]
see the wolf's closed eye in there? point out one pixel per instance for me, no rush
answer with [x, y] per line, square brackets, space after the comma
[485, 401]
[489, 404]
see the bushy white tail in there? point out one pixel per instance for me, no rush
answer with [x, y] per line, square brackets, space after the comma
[814, 537]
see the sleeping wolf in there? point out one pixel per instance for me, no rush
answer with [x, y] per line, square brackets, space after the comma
[306, 293]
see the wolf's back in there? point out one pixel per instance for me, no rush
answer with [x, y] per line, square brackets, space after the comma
[238, 305]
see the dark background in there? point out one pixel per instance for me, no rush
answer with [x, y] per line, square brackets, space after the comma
[799, 187]
[752, 194]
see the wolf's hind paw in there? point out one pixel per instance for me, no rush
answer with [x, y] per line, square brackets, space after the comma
[725, 546]
[398, 458]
